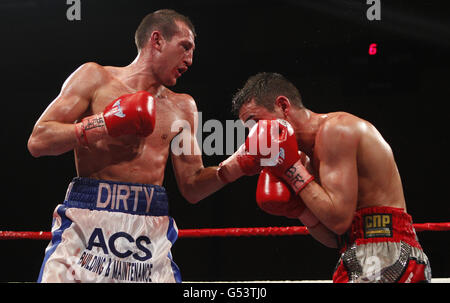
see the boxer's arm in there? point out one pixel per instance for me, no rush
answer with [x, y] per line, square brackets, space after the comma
[319, 232]
[333, 202]
[274, 197]
[195, 182]
[53, 133]
[322, 234]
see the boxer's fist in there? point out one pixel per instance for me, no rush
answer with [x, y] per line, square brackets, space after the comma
[132, 114]
[270, 143]
[244, 161]
[276, 198]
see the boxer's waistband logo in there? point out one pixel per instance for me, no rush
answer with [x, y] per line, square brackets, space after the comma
[377, 225]
[121, 196]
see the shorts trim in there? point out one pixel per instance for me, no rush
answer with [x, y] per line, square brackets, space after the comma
[56, 237]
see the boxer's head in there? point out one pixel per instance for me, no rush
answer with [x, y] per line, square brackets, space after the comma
[266, 96]
[168, 39]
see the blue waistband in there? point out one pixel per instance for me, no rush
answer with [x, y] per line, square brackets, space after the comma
[131, 198]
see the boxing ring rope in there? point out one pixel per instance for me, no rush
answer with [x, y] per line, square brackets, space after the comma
[221, 232]
[236, 232]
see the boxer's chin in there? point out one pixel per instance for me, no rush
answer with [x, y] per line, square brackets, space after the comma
[170, 83]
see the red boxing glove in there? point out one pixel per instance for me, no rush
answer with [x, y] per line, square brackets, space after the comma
[244, 161]
[276, 198]
[288, 165]
[131, 114]
[269, 143]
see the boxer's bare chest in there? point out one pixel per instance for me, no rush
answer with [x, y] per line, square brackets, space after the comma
[166, 110]
[130, 157]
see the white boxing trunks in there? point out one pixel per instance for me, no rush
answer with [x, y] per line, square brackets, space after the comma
[111, 232]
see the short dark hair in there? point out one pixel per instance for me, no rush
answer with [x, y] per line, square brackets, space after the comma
[163, 20]
[264, 88]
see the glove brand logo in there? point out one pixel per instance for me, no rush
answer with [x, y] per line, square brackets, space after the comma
[118, 110]
[281, 156]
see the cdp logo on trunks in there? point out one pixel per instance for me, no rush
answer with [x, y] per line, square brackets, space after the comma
[377, 225]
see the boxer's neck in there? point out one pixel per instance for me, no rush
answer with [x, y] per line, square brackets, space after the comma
[306, 125]
[139, 75]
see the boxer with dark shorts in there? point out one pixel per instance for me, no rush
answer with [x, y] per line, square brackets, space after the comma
[336, 174]
[114, 223]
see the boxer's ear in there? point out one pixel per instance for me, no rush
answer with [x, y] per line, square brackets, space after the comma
[156, 40]
[283, 104]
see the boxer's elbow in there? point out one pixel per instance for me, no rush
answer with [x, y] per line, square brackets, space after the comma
[340, 227]
[336, 223]
[36, 143]
[322, 234]
[35, 147]
[187, 191]
[340, 230]
[193, 200]
[200, 184]
[190, 196]
[193, 192]
[47, 140]
[38, 146]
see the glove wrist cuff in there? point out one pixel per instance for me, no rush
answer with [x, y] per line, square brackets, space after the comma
[91, 129]
[230, 170]
[297, 176]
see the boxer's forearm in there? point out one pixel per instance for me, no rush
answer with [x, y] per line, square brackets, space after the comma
[324, 208]
[202, 184]
[52, 138]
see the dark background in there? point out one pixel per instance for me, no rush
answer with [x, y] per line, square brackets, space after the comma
[322, 46]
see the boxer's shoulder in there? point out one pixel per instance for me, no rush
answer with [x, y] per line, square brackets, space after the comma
[340, 125]
[341, 119]
[104, 75]
[93, 70]
[89, 77]
[345, 123]
[184, 103]
[180, 99]
[84, 81]
[339, 131]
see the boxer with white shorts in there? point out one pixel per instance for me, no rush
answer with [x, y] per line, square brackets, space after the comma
[119, 121]
[111, 232]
